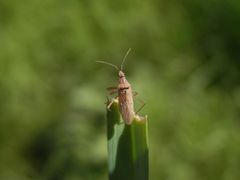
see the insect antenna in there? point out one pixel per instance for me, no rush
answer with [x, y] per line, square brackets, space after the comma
[125, 58]
[110, 64]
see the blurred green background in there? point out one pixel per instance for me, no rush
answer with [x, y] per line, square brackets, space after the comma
[184, 64]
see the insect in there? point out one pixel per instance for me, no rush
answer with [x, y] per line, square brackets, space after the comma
[125, 93]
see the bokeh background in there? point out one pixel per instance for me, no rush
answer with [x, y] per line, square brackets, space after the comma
[184, 64]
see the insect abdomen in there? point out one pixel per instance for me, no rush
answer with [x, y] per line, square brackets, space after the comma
[126, 104]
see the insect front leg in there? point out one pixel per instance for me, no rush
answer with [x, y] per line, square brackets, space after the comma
[112, 90]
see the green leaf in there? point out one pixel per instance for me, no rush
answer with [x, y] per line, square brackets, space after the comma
[127, 146]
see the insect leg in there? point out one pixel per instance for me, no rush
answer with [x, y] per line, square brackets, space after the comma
[109, 103]
[108, 100]
[143, 104]
[112, 90]
[134, 93]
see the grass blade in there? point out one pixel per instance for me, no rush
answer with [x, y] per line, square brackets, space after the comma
[127, 146]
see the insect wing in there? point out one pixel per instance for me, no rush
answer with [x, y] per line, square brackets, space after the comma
[126, 105]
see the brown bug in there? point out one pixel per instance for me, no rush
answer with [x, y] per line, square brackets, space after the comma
[125, 93]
